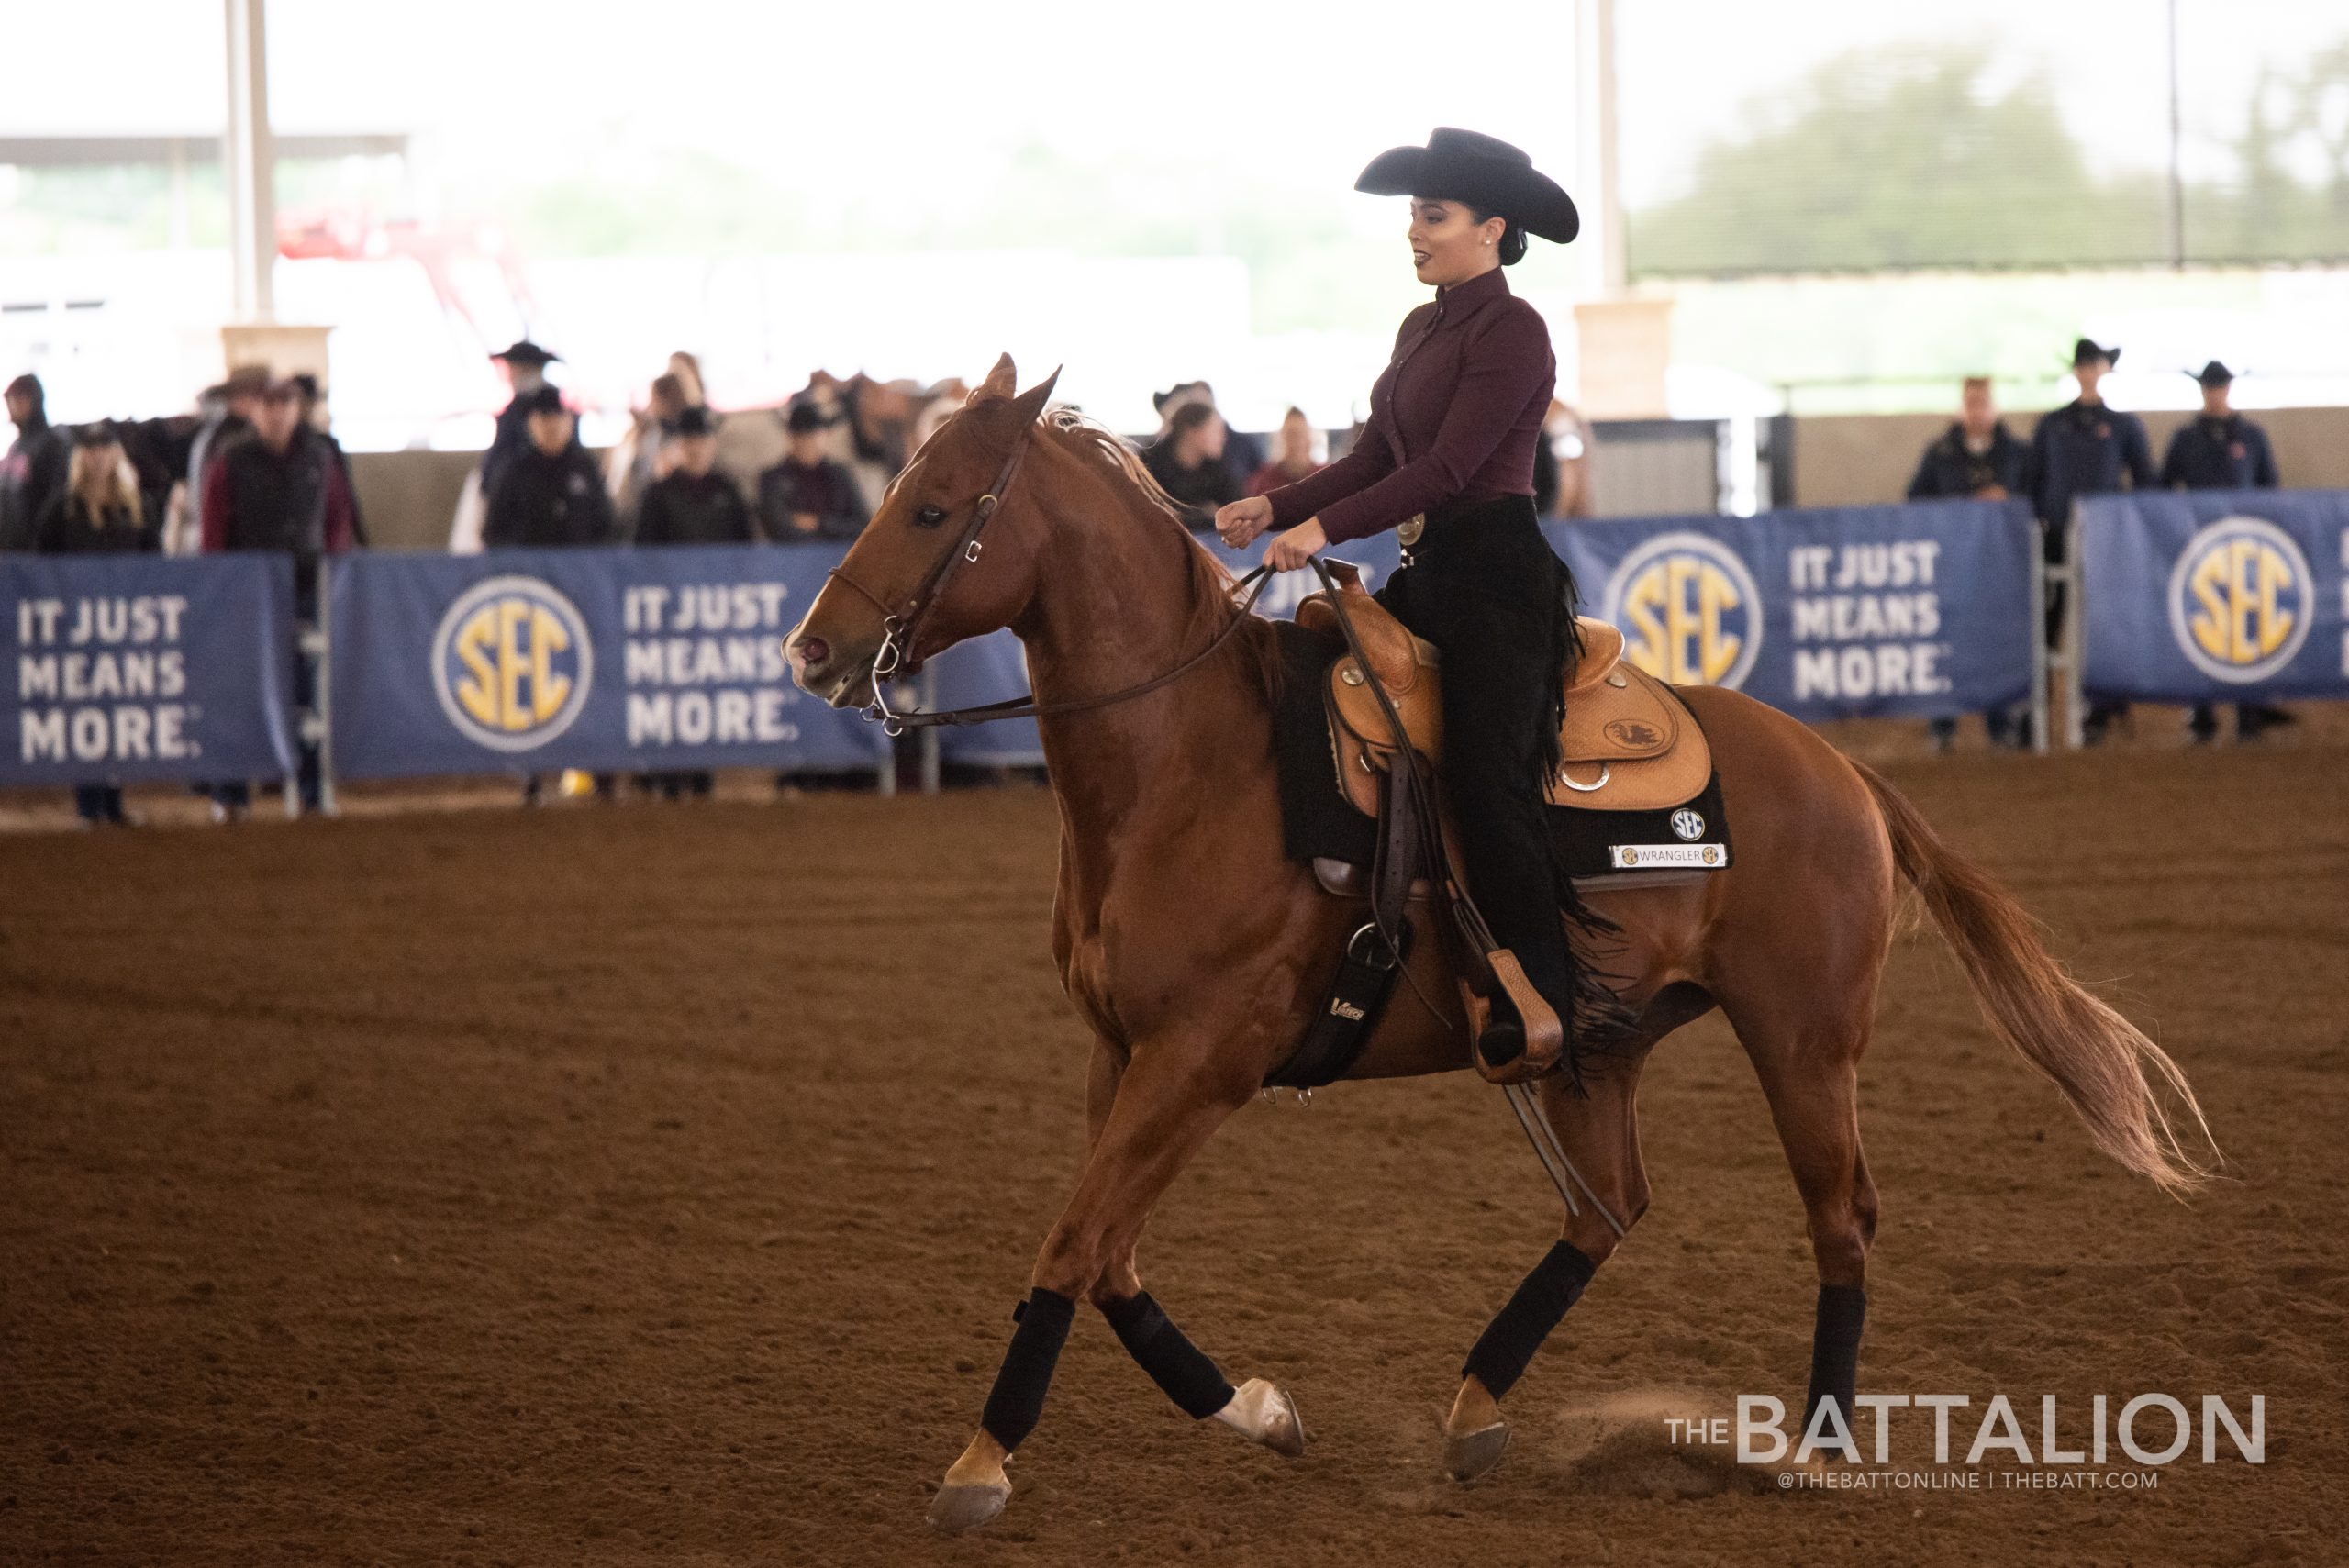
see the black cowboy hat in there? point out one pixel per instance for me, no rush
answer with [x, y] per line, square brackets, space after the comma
[693, 421]
[1483, 170]
[2213, 375]
[522, 351]
[806, 416]
[540, 400]
[2088, 349]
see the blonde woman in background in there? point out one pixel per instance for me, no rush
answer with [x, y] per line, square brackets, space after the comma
[99, 512]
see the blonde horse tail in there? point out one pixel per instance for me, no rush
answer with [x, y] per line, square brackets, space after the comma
[2096, 1058]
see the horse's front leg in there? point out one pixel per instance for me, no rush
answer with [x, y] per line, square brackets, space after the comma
[1169, 1100]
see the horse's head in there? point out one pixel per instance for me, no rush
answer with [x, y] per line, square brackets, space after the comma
[937, 563]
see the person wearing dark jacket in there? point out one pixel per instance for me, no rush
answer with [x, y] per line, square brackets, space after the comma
[693, 504]
[524, 364]
[549, 495]
[808, 495]
[280, 490]
[1976, 457]
[2220, 450]
[2084, 449]
[1188, 463]
[33, 471]
[99, 512]
[311, 400]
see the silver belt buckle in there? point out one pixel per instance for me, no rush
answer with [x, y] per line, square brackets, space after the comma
[1407, 532]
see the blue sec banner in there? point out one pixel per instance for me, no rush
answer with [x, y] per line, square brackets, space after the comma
[1837, 612]
[142, 667]
[536, 659]
[2197, 596]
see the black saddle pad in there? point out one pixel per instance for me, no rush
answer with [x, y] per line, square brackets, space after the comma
[1318, 822]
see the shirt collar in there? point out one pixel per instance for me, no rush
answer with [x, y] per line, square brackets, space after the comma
[1486, 285]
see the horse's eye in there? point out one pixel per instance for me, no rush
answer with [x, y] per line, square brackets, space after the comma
[929, 516]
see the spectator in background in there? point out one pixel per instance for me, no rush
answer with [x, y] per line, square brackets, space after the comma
[99, 512]
[2084, 449]
[643, 455]
[1976, 457]
[2220, 450]
[280, 490]
[524, 364]
[549, 494]
[1188, 463]
[228, 412]
[693, 504]
[1295, 460]
[1243, 454]
[1562, 486]
[33, 473]
[808, 495]
[312, 398]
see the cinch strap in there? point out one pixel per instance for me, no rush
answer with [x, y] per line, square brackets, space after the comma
[1018, 1399]
[1179, 1367]
[1499, 1356]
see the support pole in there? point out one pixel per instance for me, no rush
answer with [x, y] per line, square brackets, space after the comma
[322, 687]
[2042, 704]
[1614, 249]
[251, 160]
[2076, 624]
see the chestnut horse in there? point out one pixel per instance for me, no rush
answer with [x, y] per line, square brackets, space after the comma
[1194, 950]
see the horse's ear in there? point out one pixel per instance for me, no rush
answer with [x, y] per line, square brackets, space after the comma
[1001, 382]
[1032, 402]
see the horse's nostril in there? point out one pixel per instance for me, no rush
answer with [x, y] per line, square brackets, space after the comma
[813, 651]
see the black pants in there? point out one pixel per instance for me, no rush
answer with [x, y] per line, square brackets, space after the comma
[1485, 588]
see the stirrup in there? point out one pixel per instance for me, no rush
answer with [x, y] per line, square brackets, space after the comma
[1518, 1049]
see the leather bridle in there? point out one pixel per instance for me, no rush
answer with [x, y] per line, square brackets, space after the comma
[900, 626]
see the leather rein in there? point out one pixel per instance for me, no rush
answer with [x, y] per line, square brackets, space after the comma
[900, 626]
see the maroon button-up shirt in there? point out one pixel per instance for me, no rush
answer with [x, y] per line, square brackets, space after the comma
[1454, 416]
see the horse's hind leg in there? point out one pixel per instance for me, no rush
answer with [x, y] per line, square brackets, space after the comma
[1163, 1107]
[1811, 1078]
[1601, 1135]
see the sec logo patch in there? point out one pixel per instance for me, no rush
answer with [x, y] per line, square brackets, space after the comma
[2239, 600]
[512, 663]
[1688, 608]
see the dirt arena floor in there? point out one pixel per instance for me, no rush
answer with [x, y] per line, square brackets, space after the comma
[642, 1183]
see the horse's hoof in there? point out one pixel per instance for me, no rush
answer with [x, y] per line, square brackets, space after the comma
[1468, 1458]
[1265, 1414]
[958, 1509]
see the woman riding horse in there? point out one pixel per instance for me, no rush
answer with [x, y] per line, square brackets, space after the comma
[1448, 459]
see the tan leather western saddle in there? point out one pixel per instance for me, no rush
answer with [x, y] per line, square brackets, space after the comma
[1628, 744]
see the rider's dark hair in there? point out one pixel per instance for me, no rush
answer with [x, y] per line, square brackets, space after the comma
[1512, 245]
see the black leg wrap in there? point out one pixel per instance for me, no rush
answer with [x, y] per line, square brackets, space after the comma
[1175, 1365]
[1499, 1358]
[1835, 1349]
[1017, 1397]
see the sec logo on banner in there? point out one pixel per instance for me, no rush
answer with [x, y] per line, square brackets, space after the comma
[1688, 610]
[2240, 599]
[512, 663]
